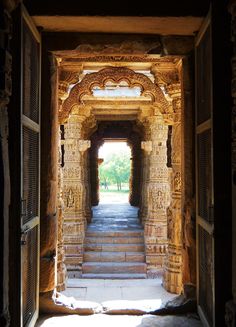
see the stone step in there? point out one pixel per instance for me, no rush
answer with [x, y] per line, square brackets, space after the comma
[112, 233]
[114, 276]
[114, 257]
[114, 247]
[114, 227]
[116, 220]
[114, 240]
[113, 267]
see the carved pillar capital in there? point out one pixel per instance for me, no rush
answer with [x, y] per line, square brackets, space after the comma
[164, 77]
[89, 125]
[174, 91]
[172, 118]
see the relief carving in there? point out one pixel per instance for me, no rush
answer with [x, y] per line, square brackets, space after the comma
[70, 173]
[70, 199]
[73, 197]
[128, 47]
[177, 182]
[164, 77]
[116, 74]
[155, 198]
[66, 78]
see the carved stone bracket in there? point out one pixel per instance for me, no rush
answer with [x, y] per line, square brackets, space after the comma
[66, 78]
[164, 77]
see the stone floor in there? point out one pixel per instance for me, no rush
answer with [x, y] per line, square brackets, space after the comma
[102, 320]
[112, 290]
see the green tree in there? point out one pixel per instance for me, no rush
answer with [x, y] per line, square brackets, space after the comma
[115, 169]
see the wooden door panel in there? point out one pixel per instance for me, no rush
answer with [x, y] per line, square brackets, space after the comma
[30, 172]
[204, 174]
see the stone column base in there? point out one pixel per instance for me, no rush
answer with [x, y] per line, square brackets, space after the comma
[61, 277]
[172, 280]
[155, 254]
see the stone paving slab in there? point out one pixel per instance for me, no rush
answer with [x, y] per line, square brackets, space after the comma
[100, 290]
[102, 320]
[73, 282]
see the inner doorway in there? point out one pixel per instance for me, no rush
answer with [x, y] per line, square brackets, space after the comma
[114, 159]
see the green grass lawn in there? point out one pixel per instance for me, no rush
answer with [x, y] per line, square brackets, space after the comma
[113, 189]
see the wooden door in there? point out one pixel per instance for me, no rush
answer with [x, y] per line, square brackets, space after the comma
[30, 167]
[204, 174]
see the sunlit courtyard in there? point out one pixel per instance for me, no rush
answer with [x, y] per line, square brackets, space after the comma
[114, 172]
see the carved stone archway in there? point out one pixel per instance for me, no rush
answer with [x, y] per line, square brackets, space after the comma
[157, 182]
[116, 75]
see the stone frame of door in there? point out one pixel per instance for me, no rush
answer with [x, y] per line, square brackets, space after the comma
[52, 70]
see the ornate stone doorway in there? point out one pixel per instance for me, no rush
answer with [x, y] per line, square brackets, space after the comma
[151, 120]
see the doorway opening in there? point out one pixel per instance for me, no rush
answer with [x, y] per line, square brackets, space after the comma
[114, 172]
[150, 122]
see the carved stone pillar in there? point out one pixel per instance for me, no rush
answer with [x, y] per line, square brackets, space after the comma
[61, 268]
[94, 174]
[73, 194]
[88, 211]
[155, 229]
[93, 154]
[134, 195]
[84, 146]
[146, 146]
[173, 264]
